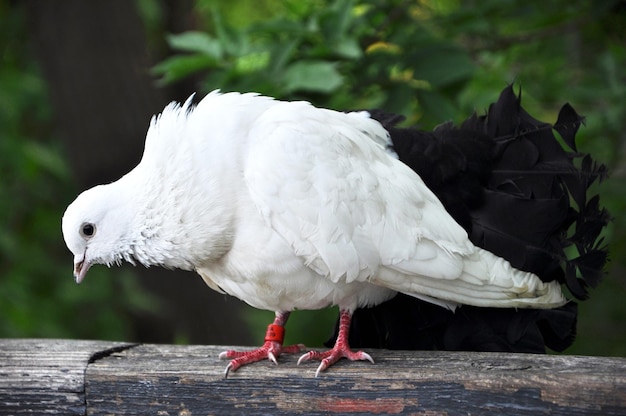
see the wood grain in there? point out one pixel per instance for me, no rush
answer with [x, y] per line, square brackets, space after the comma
[46, 375]
[100, 378]
[189, 380]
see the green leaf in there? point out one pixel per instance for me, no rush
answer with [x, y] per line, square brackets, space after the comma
[441, 65]
[336, 24]
[198, 42]
[252, 62]
[435, 106]
[180, 66]
[232, 41]
[348, 48]
[281, 54]
[314, 76]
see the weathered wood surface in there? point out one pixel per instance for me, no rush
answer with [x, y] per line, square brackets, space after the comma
[104, 378]
[47, 376]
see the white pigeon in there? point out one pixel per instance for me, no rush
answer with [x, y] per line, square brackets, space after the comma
[287, 206]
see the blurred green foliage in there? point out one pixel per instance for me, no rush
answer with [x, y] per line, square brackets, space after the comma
[430, 60]
[340, 55]
[38, 297]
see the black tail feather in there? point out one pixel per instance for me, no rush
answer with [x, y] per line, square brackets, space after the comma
[527, 204]
[509, 182]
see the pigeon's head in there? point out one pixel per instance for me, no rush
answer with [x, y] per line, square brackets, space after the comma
[94, 229]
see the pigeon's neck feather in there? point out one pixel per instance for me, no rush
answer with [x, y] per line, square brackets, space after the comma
[183, 189]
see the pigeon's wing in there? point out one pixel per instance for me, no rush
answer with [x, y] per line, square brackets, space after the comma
[323, 180]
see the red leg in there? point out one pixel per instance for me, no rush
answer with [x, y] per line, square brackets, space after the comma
[340, 350]
[271, 349]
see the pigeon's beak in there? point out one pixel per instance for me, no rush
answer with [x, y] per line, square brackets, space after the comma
[81, 265]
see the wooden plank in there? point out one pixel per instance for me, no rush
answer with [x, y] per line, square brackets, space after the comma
[47, 376]
[188, 380]
[93, 377]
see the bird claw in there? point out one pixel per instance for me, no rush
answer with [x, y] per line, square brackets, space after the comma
[304, 357]
[228, 368]
[323, 366]
[330, 357]
[366, 357]
[270, 350]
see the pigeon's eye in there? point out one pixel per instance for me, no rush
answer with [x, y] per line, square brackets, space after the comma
[87, 230]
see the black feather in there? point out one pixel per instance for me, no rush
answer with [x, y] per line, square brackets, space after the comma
[508, 181]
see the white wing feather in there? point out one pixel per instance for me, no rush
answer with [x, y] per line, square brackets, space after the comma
[368, 217]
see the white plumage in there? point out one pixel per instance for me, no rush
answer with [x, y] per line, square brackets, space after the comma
[287, 206]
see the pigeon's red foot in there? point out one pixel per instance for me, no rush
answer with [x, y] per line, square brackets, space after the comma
[330, 357]
[270, 350]
[340, 350]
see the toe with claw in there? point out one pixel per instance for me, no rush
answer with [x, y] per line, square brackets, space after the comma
[330, 357]
[339, 351]
[269, 350]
